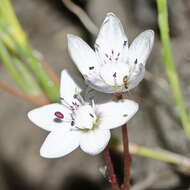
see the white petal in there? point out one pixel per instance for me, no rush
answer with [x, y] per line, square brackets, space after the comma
[94, 141]
[100, 85]
[70, 85]
[141, 47]
[115, 114]
[83, 56]
[59, 143]
[44, 116]
[111, 38]
[136, 77]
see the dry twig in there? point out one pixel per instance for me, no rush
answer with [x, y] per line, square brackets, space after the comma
[81, 14]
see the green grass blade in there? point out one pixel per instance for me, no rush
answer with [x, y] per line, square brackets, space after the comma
[169, 65]
[31, 84]
[7, 61]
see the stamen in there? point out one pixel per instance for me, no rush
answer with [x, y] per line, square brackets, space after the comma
[112, 52]
[93, 104]
[66, 104]
[58, 120]
[125, 43]
[114, 75]
[135, 61]
[59, 115]
[75, 104]
[79, 98]
[91, 68]
[125, 81]
[91, 115]
[72, 123]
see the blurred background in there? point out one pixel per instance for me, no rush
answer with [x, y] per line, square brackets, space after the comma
[47, 23]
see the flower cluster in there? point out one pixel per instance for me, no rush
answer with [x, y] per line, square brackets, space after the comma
[84, 116]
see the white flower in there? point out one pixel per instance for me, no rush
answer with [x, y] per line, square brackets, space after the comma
[75, 122]
[114, 66]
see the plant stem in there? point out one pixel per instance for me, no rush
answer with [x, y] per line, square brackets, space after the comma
[110, 168]
[127, 158]
[169, 65]
[38, 100]
[7, 61]
[126, 154]
[158, 154]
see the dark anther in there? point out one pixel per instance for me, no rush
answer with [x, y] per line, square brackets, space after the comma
[72, 123]
[125, 43]
[91, 68]
[114, 75]
[57, 120]
[91, 115]
[75, 96]
[136, 61]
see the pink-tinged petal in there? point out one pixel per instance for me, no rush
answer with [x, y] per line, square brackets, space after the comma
[82, 55]
[59, 143]
[50, 117]
[111, 41]
[93, 142]
[70, 86]
[115, 114]
[141, 47]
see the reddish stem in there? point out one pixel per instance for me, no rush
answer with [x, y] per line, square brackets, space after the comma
[111, 172]
[127, 158]
[126, 154]
[39, 100]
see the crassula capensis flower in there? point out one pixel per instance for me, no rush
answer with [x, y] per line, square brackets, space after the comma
[114, 66]
[79, 120]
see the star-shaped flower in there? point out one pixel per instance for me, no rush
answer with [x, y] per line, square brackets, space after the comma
[75, 122]
[114, 66]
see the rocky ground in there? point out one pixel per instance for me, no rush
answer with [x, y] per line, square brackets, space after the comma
[156, 124]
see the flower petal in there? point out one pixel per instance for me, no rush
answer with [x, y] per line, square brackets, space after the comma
[115, 114]
[141, 47]
[93, 142]
[111, 39]
[82, 55]
[70, 86]
[100, 85]
[45, 116]
[137, 76]
[59, 143]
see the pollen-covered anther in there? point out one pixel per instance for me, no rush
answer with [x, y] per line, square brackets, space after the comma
[125, 81]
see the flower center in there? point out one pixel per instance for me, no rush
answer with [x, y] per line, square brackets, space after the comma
[84, 117]
[115, 74]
